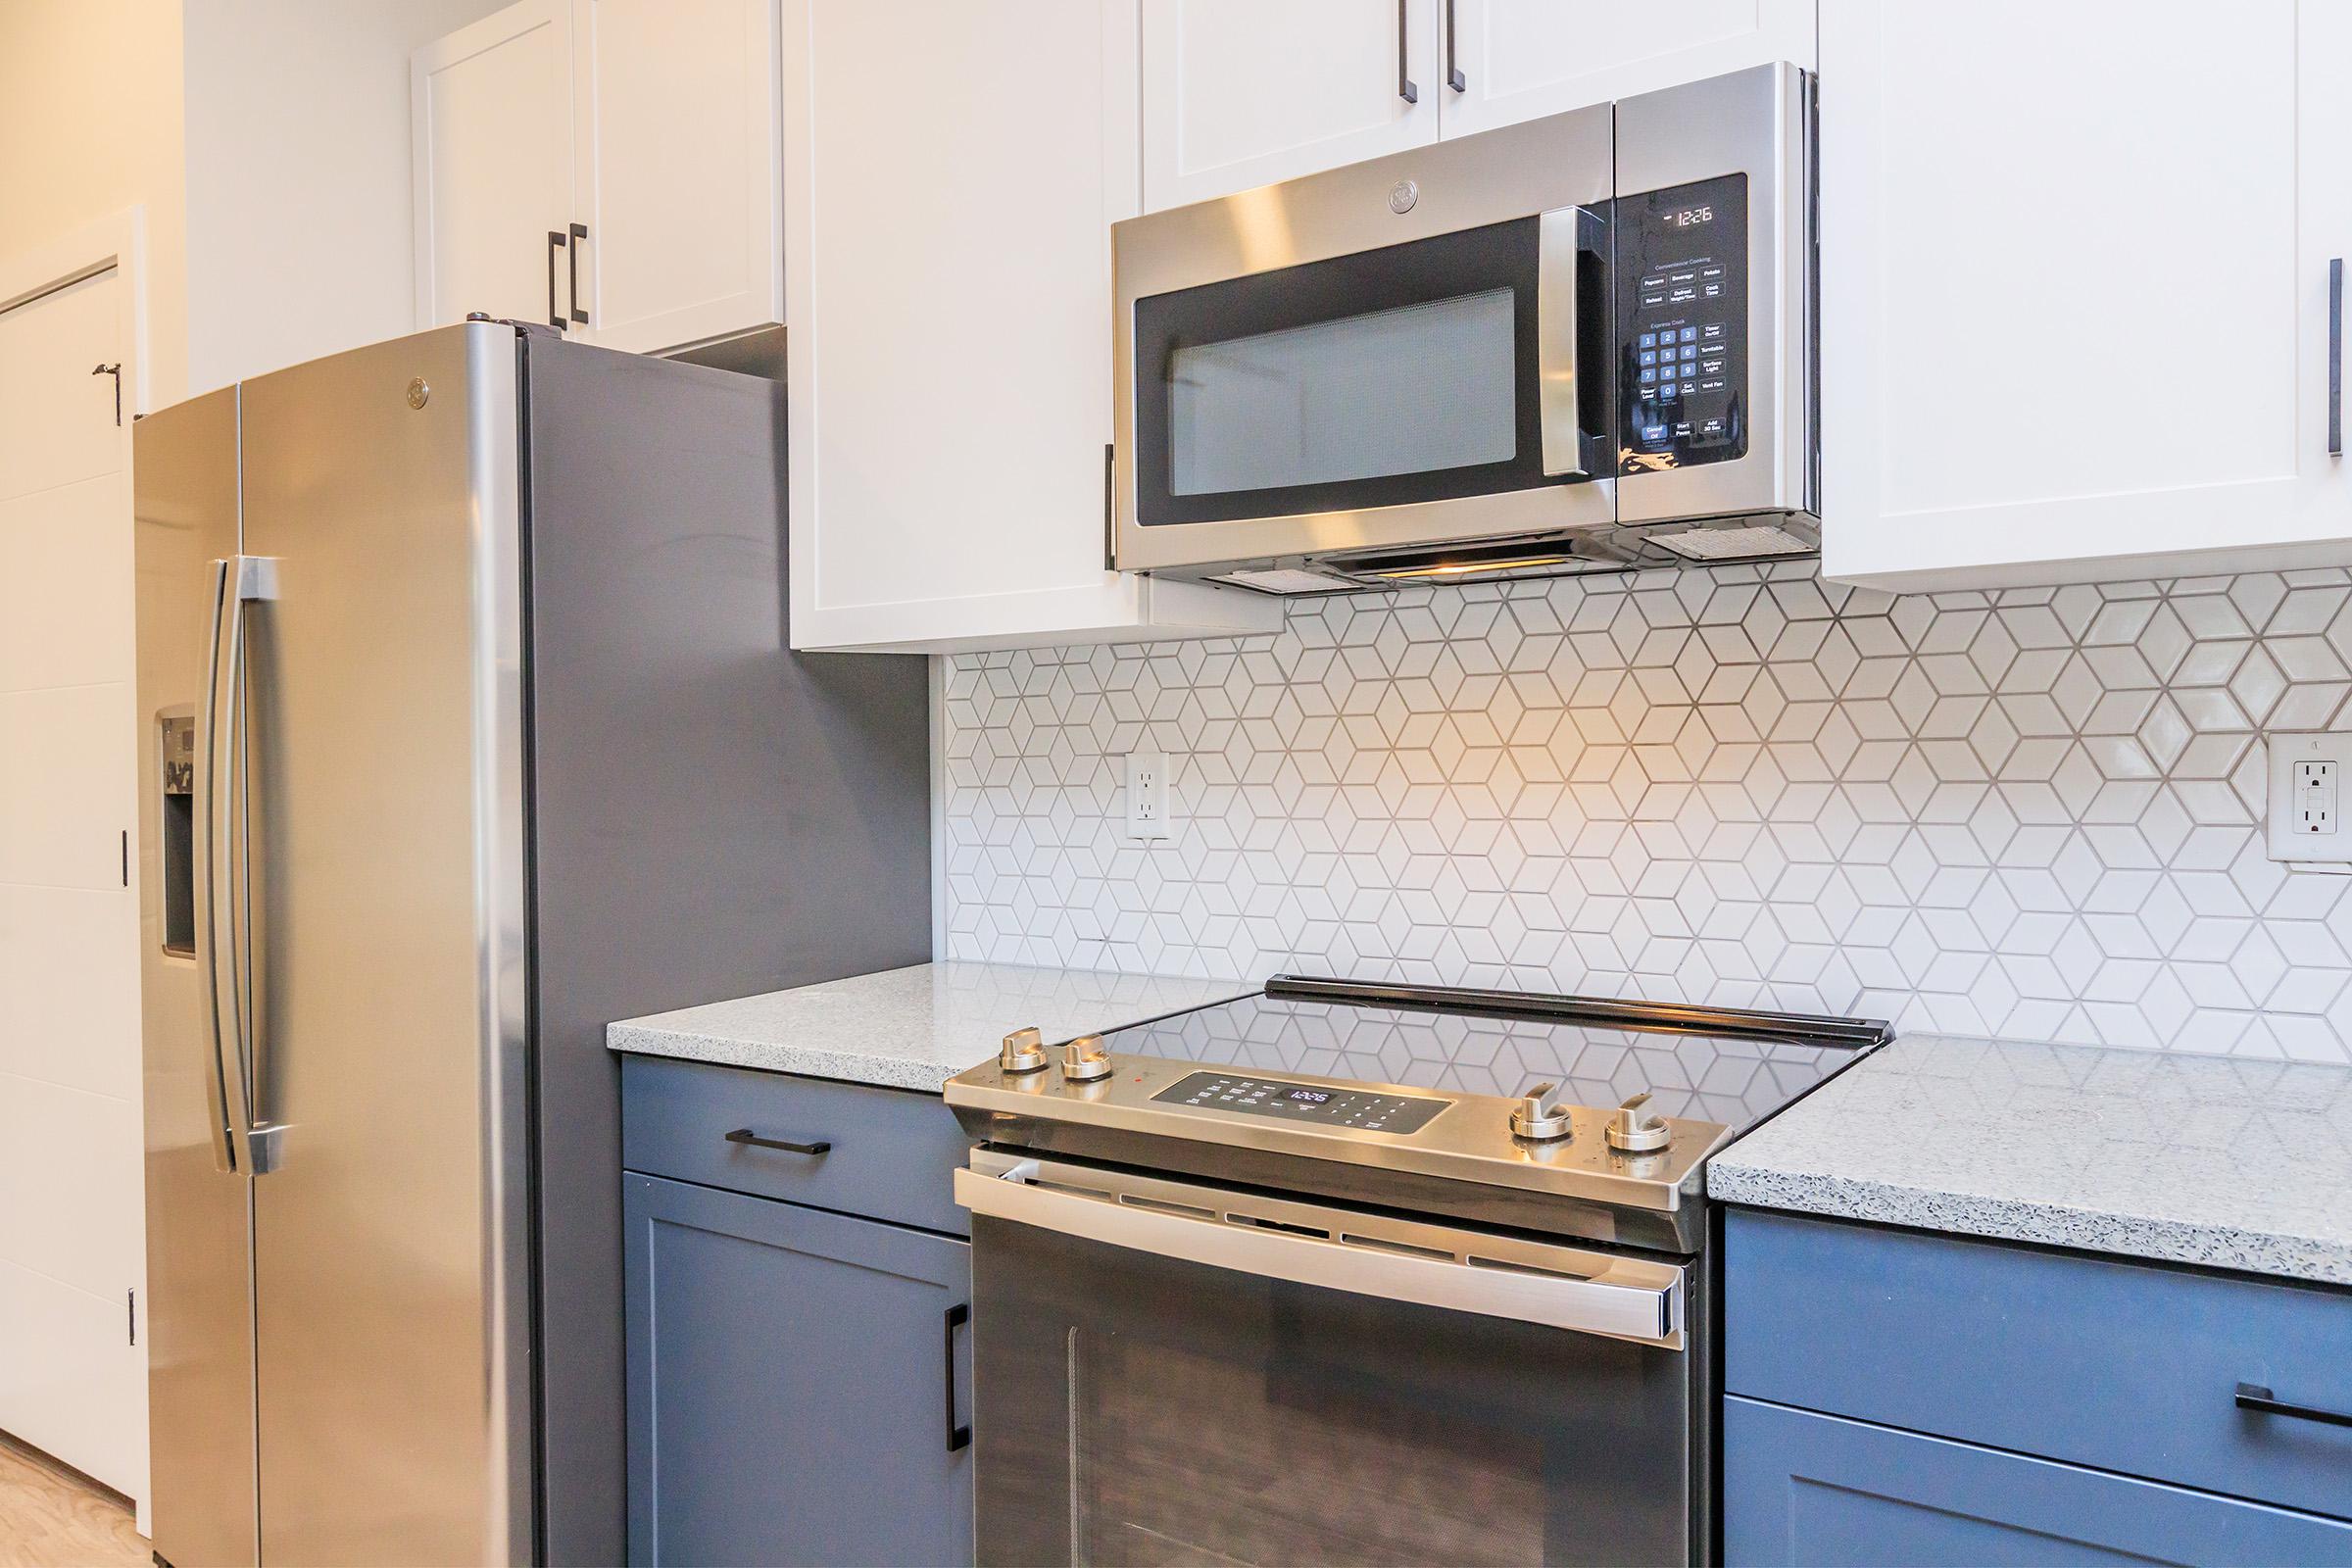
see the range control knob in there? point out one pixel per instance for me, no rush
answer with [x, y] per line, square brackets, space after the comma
[1024, 1051]
[1539, 1117]
[1083, 1059]
[1635, 1131]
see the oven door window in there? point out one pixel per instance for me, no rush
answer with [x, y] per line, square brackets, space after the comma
[1402, 374]
[1141, 1410]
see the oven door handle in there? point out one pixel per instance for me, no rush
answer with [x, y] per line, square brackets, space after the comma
[1620, 1297]
[1571, 257]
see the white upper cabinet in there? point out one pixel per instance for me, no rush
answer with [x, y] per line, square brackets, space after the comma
[1239, 93]
[608, 165]
[491, 123]
[952, 173]
[1505, 61]
[2074, 288]
[680, 171]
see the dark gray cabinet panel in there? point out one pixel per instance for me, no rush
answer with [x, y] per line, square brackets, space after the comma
[2117, 1366]
[790, 1393]
[1816, 1489]
[892, 1152]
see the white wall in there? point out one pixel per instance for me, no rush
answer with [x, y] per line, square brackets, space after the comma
[299, 229]
[90, 124]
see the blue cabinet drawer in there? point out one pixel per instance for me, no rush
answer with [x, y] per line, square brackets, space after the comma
[1806, 1489]
[892, 1152]
[2120, 1366]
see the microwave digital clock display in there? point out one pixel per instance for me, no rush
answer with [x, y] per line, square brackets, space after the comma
[1682, 311]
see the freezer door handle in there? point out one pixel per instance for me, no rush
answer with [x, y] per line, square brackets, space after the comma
[224, 926]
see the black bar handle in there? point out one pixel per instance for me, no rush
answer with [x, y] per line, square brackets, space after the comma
[554, 243]
[744, 1135]
[1404, 81]
[1453, 62]
[2254, 1397]
[958, 1436]
[2336, 358]
[579, 233]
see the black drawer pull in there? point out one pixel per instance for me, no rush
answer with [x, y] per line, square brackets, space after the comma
[744, 1135]
[2253, 1397]
[958, 1436]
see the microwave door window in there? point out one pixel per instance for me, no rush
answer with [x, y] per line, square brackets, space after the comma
[1384, 378]
[1416, 389]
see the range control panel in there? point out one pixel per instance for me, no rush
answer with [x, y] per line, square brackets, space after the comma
[1329, 1104]
[1682, 314]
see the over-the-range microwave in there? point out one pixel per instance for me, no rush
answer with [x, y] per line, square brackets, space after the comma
[1581, 343]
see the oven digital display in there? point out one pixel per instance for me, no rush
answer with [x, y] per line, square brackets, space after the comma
[1309, 1103]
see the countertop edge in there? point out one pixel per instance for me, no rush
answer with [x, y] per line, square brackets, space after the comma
[807, 1062]
[2129, 1237]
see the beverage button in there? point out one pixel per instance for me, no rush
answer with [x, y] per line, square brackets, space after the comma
[1688, 277]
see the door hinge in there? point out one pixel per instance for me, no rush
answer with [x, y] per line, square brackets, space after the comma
[116, 371]
[130, 1307]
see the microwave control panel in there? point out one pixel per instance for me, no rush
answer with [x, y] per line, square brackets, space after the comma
[1681, 314]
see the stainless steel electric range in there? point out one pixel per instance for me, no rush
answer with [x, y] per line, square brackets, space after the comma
[1346, 1273]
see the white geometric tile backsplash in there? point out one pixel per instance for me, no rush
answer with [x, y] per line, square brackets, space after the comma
[2032, 813]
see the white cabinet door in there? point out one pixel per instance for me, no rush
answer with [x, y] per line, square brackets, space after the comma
[678, 170]
[2074, 288]
[948, 284]
[491, 118]
[1239, 93]
[1505, 61]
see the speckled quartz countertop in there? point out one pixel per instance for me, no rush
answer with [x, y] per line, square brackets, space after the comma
[911, 1028]
[2224, 1162]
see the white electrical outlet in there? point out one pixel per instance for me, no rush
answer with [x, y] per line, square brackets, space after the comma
[1146, 795]
[2302, 820]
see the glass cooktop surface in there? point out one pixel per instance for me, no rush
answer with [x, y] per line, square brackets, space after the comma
[1695, 1075]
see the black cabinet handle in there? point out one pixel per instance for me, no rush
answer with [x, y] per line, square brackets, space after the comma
[1404, 81]
[579, 232]
[958, 1437]
[744, 1135]
[2254, 1397]
[554, 243]
[1453, 62]
[2336, 358]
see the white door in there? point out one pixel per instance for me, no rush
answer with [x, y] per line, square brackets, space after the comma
[678, 170]
[1506, 60]
[491, 119]
[948, 283]
[2074, 288]
[1239, 93]
[71, 1205]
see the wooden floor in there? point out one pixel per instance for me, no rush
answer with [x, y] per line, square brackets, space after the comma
[51, 1517]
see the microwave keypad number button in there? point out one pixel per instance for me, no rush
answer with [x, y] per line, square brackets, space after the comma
[1683, 309]
[1326, 1104]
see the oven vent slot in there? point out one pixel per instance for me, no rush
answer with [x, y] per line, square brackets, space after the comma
[1161, 1205]
[1099, 1194]
[1287, 1229]
[1505, 1266]
[1380, 1244]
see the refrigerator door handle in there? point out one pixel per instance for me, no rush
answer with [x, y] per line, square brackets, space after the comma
[224, 931]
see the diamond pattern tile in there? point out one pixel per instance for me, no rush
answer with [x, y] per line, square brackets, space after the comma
[2030, 813]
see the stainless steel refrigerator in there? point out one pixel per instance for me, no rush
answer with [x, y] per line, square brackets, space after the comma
[467, 726]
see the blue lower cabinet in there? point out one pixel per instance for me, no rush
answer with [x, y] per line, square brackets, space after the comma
[1801, 1488]
[799, 1384]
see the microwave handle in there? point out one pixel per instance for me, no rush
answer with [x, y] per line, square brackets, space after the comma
[1571, 258]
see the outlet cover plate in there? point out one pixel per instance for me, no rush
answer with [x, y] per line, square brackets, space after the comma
[1146, 796]
[2282, 830]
